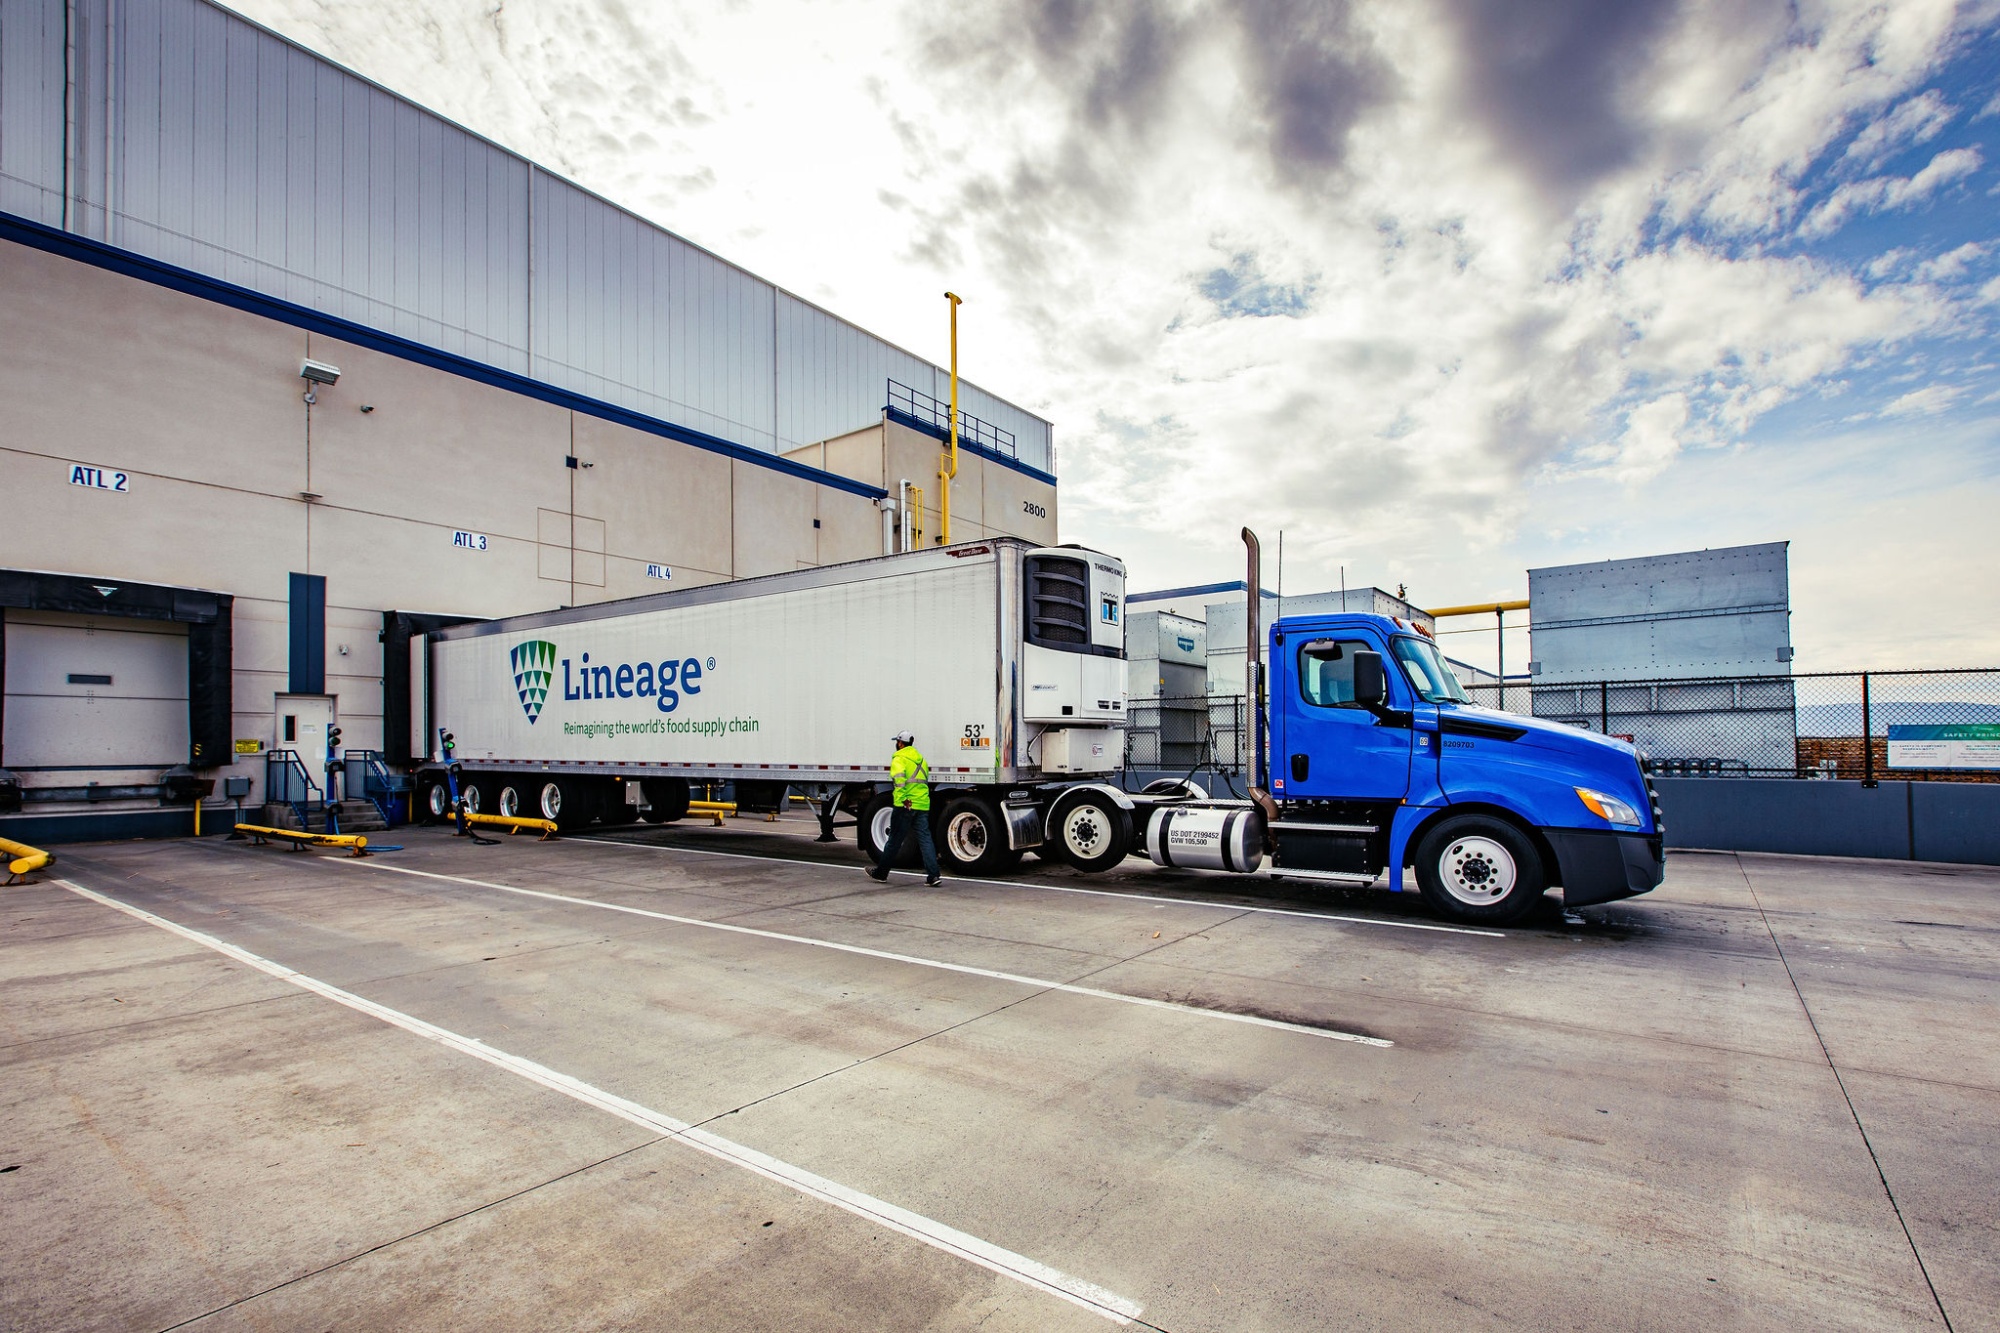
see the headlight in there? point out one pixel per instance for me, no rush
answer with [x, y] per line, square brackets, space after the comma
[1609, 808]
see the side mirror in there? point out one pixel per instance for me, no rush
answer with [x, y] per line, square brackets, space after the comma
[1371, 684]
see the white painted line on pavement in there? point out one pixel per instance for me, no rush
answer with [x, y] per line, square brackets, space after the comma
[1059, 888]
[914, 1225]
[1039, 982]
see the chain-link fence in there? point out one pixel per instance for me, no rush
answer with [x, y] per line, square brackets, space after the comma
[1932, 726]
[1201, 731]
[1928, 726]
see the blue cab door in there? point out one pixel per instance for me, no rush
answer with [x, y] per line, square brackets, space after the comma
[1324, 745]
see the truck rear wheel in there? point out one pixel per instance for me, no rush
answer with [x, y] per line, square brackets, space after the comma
[563, 800]
[434, 802]
[666, 799]
[510, 799]
[1479, 869]
[872, 832]
[973, 838]
[1091, 832]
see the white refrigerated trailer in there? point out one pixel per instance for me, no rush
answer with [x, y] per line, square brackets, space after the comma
[1006, 661]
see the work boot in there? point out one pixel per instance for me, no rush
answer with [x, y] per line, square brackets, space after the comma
[878, 873]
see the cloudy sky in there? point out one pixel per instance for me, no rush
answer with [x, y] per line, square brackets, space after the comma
[1443, 289]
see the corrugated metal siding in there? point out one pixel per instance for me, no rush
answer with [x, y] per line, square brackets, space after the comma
[224, 149]
[1721, 612]
[31, 109]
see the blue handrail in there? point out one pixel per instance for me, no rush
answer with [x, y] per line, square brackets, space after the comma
[380, 786]
[289, 781]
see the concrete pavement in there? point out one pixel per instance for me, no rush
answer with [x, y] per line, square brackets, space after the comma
[1646, 1115]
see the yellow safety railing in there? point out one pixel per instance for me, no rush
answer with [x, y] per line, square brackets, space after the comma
[517, 824]
[22, 858]
[353, 842]
[717, 809]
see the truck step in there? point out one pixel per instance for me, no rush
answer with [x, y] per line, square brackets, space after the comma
[1353, 880]
[1303, 826]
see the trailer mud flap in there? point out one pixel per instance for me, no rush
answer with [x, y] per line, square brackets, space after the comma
[1025, 826]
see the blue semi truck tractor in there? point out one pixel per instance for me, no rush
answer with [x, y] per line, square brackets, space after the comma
[1370, 758]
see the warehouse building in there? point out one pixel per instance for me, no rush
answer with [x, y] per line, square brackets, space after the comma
[296, 368]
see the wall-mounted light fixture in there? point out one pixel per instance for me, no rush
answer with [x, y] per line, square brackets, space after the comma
[316, 373]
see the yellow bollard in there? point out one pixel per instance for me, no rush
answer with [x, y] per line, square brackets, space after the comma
[516, 823]
[24, 858]
[354, 842]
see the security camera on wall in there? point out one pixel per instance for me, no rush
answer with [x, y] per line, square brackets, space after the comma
[318, 372]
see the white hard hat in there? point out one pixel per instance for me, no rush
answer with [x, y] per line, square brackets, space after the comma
[903, 738]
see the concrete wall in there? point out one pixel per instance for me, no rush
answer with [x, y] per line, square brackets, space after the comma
[1903, 821]
[988, 499]
[236, 483]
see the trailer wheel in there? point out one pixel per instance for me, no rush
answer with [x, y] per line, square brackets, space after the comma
[434, 802]
[508, 800]
[1476, 868]
[1091, 832]
[477, 801]
[666, 799]
[564, 801]
[872, 832]
[972, 838]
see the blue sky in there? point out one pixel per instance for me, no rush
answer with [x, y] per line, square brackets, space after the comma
[1442, 289]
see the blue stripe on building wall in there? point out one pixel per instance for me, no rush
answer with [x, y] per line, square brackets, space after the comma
[24, 231]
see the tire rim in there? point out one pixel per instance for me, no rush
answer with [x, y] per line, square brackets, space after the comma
[1478, 871]
[509, 802]
[1084, 831]
[878, 827]
[470, 795]
[551, 801]
[440, 802]
[965, 837]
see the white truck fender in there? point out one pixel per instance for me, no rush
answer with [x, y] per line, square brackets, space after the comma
[1123, 801]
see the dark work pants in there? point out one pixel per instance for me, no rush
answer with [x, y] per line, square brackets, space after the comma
[900, 825]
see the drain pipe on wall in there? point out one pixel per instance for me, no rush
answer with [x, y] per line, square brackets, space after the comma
[887, 508]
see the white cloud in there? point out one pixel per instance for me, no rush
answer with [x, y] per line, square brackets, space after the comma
[1925, 402]
[1917, 120]
[1445, 313]
[1952, 263]
[1881, 193]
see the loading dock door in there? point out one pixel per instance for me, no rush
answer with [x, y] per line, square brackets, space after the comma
[95, 693]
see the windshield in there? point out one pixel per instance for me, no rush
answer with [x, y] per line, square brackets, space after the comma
[1429, 676]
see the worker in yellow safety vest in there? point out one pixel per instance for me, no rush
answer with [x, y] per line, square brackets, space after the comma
[912, 805]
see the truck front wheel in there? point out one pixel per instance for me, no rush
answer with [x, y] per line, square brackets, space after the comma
[973, 838]
[1091, 832]
[1479, 869]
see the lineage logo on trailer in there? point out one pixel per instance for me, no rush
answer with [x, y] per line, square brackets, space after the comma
[534, 671]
